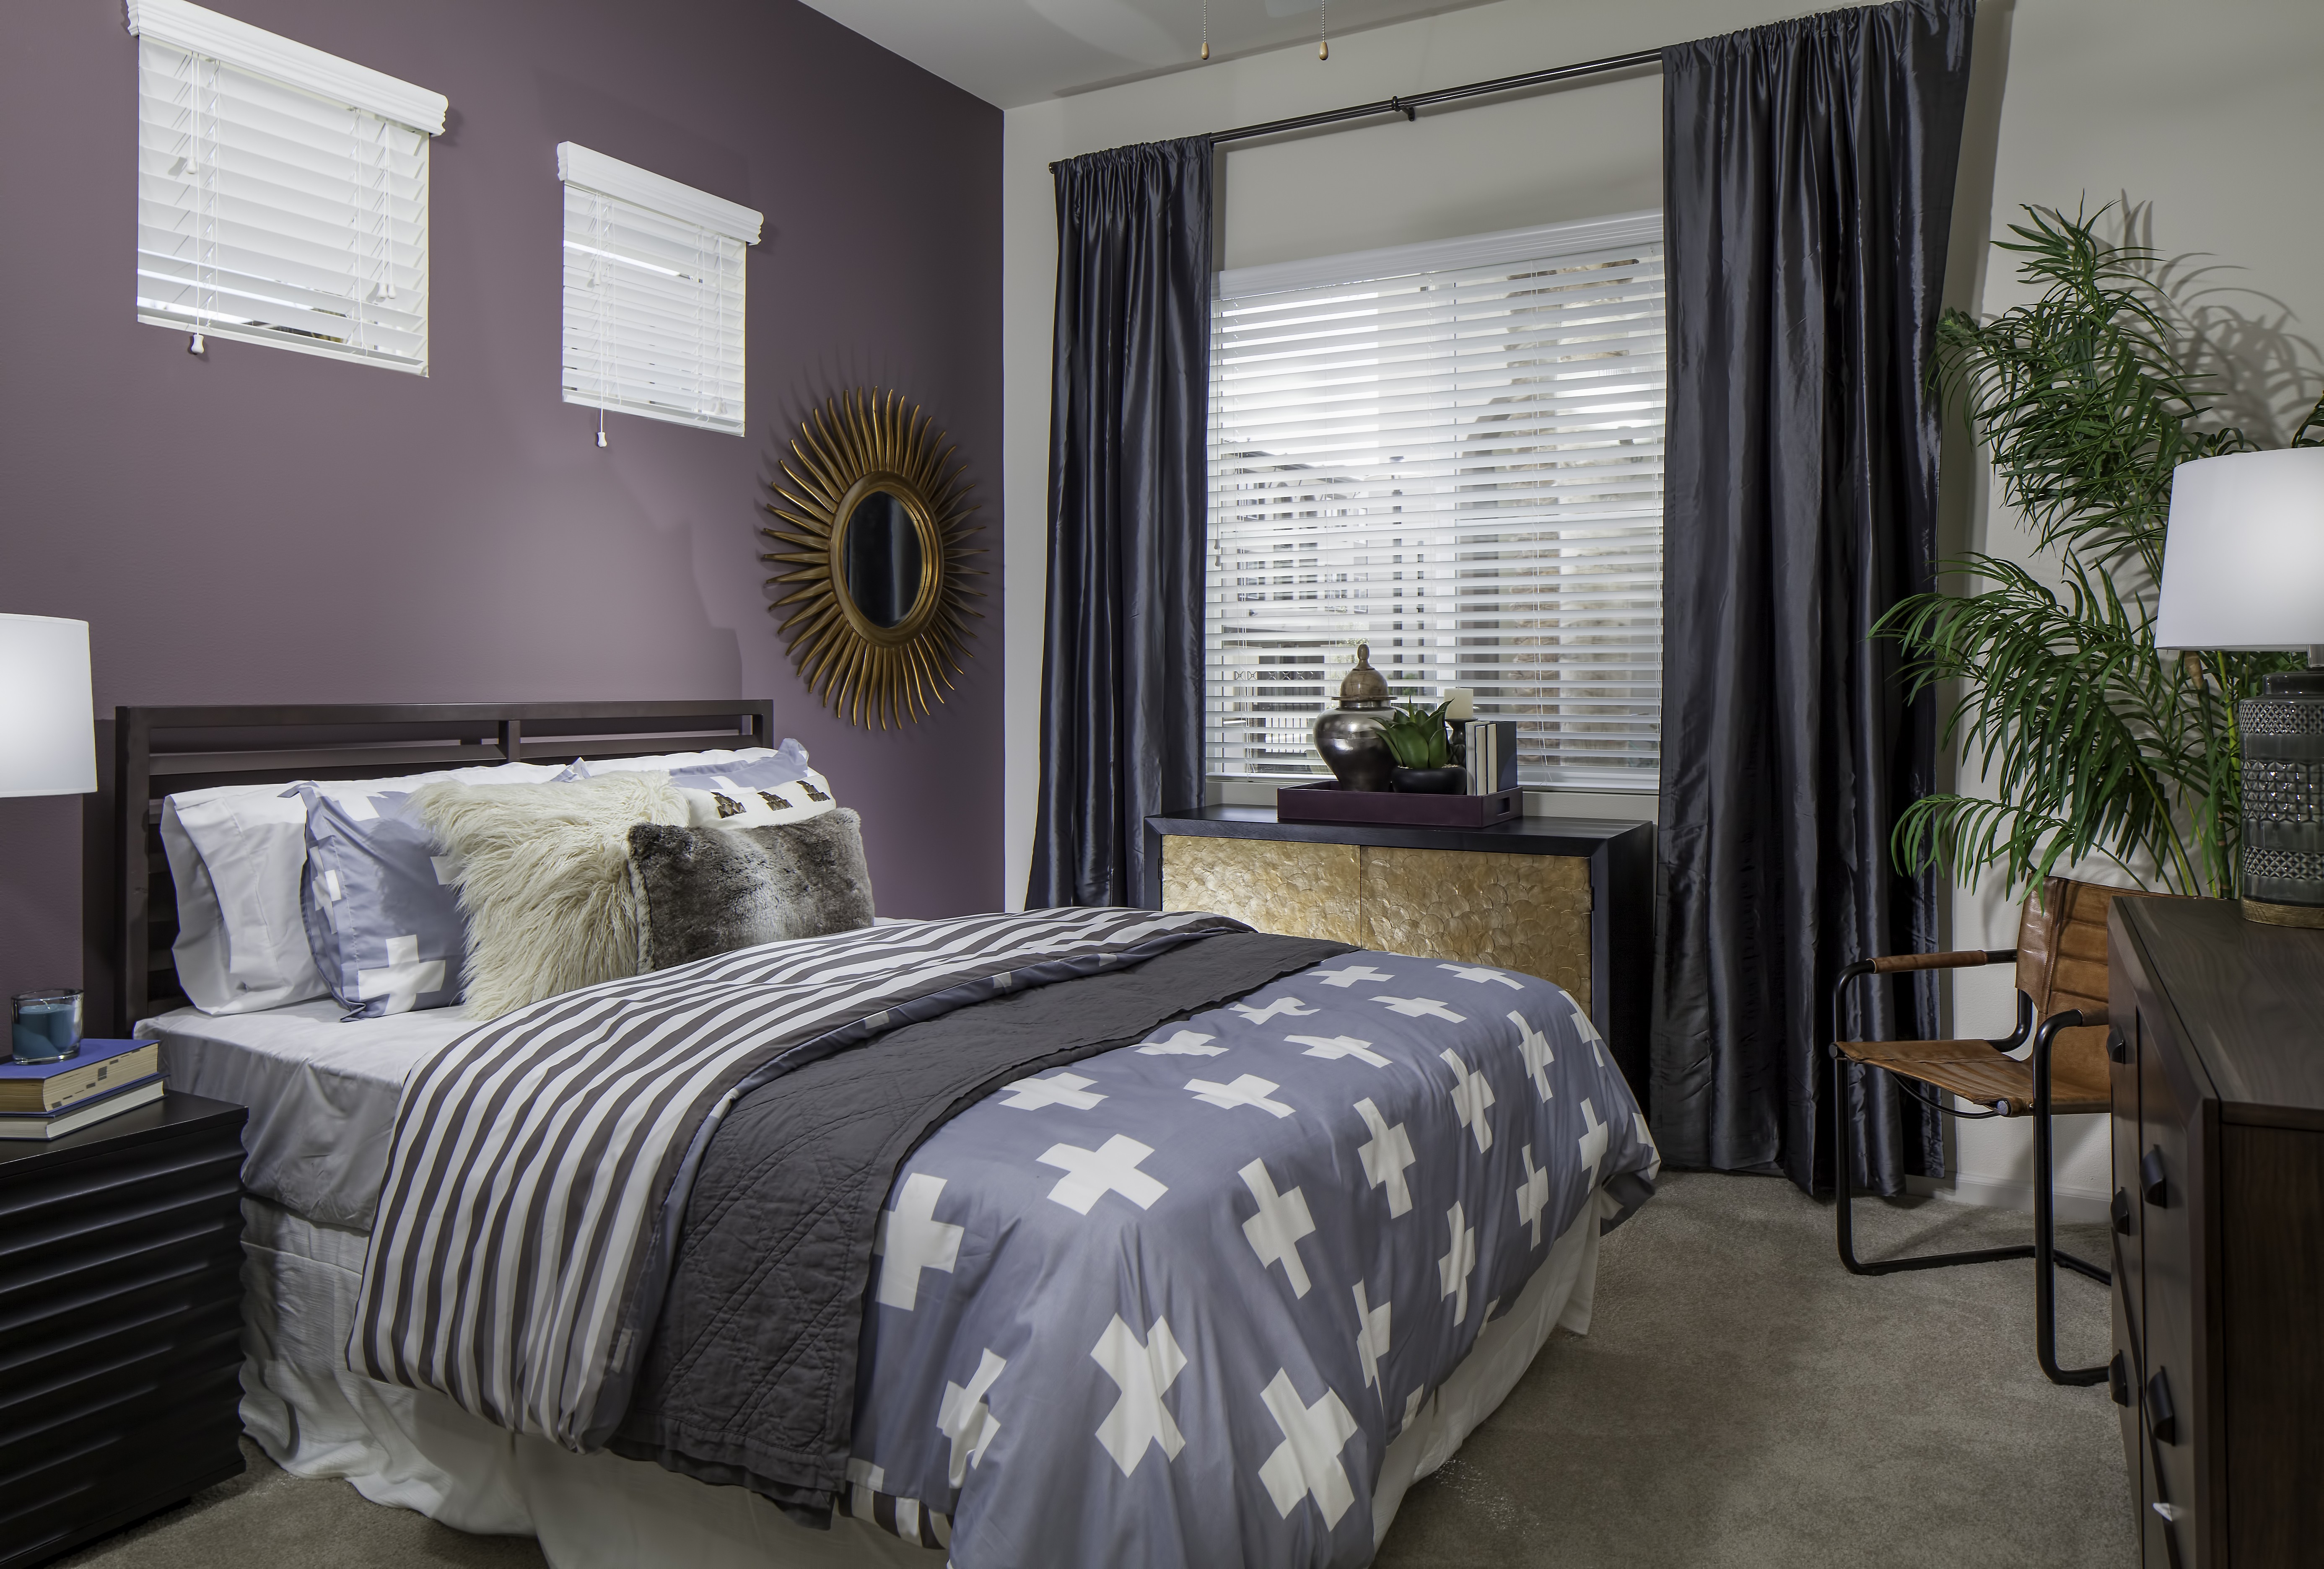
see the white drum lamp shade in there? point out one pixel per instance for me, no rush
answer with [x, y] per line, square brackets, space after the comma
[48, 740]
[2243, 564]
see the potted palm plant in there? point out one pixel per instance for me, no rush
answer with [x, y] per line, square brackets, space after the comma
[2097, 744]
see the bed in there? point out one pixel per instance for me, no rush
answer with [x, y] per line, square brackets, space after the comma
[1218, 1244]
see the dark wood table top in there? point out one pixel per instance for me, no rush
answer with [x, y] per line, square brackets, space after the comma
[173, 1115]
[1537, 836]
[2250, 997]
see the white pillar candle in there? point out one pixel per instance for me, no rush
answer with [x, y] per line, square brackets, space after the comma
[1459, 704]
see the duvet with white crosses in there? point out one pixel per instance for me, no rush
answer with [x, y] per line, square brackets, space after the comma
[1168, 1306]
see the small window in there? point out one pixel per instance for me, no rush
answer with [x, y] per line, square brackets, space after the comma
[653, 293]
[1453, 452]
[281, 192]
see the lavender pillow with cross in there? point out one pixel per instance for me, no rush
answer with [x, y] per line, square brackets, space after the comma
[382, 906]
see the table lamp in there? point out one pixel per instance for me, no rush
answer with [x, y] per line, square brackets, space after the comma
[2243, 569]
[48, 747]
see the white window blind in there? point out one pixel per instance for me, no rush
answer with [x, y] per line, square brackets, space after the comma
[281, 192]
[1454, 452]
[653, 293]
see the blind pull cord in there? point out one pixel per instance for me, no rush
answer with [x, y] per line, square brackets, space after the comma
[604, 215]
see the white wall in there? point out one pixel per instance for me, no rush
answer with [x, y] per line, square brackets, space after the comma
[2209, 112]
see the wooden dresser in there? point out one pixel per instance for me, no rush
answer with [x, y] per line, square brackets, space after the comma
[2218, 1212]
[1568, 899]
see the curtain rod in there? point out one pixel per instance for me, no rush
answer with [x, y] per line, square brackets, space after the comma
[1410, 107]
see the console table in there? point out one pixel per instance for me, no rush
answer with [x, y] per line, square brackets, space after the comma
[1568, 899]
[2217, 1042]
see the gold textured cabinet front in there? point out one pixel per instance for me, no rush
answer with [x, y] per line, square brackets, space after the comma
[1529, 913]
[1526, 913]
[1301, 890]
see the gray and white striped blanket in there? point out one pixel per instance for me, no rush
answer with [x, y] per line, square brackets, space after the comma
[540, 1163]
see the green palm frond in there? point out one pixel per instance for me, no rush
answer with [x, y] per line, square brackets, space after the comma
[2096, 744]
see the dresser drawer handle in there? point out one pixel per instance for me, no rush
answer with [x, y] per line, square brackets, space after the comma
[2123, 1211]
[2155, 1190]
[2159, 1415]
[2118, 1047]
[2119, 1380]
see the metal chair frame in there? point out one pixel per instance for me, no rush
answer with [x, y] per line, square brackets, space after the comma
[2044, 1250]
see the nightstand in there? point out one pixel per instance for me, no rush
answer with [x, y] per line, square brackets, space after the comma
[120, 1322]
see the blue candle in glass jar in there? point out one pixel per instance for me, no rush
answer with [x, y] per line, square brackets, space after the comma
[44, 1026]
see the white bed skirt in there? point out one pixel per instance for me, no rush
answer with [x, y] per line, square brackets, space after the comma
[417, 1451]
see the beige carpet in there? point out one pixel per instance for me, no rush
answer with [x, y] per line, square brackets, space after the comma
[1742, 1401]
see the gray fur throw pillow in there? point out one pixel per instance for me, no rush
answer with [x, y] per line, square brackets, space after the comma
[712, 890]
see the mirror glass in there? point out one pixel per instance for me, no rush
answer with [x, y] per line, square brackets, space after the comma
[881, 556]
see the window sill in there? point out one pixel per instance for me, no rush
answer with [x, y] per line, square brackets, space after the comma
[1540, 800]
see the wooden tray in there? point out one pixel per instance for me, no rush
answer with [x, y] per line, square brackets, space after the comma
[1327, 803]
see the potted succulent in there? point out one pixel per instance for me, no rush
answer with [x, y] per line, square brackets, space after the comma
[1421, 744]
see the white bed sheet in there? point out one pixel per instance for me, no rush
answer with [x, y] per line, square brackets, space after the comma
[419, 1451]
[321, 1092]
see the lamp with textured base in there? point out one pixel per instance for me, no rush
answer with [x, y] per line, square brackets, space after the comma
[2243, 569]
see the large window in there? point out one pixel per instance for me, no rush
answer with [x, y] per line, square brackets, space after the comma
[281, 192]
[653, 293]
[1452, 452]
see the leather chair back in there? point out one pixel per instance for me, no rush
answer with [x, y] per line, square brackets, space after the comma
[2062, 963]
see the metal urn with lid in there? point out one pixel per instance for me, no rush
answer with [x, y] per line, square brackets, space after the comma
[1349, 735]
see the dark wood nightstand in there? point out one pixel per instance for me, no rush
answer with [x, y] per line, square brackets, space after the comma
[120, 1322]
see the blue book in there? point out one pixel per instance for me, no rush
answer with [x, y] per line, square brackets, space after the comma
[99, 1068]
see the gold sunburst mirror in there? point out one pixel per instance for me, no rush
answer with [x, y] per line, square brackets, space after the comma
[876, 524]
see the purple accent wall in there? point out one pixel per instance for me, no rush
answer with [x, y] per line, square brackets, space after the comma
[258, 525]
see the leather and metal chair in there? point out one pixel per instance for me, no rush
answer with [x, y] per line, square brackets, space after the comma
[2062, 1007]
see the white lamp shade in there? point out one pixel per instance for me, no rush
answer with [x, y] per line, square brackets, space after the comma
[2243, 563]
[48, 742]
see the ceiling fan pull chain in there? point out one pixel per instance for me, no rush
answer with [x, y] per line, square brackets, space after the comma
[1206, 29]
[1323, 33]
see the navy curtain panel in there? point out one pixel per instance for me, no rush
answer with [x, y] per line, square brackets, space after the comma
[1808, 183]
[1121, 662]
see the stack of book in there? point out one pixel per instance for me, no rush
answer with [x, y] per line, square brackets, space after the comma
[1490, 751]
[47, 1100]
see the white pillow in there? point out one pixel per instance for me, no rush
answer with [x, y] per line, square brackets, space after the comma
[726, 804]
[586, 769]
[237, 854]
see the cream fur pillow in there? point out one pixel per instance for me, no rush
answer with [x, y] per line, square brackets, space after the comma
[544, 877]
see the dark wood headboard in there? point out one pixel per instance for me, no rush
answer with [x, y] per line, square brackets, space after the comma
[160, 751]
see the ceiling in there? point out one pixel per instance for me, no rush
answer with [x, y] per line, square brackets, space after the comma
[1017, 52]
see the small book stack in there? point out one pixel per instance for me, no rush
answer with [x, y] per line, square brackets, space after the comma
[47, 1100]
[1490, 747]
